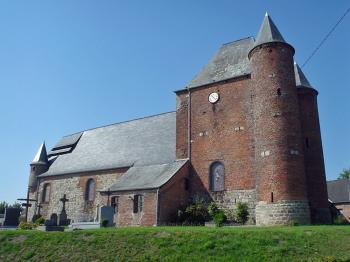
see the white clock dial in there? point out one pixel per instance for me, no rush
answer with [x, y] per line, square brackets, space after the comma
[213, 97]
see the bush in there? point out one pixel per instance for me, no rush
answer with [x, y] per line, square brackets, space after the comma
[220, 218]
[27, 225]
[340, 220]
[242, 213]
[212, 209]
[40, 221]
[194, 214]
[104, 223]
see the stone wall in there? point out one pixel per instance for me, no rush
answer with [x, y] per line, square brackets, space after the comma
[74, 186]
[228, 201]
[282, 213]
[344, 208]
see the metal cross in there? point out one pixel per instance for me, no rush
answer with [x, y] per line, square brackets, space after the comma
[27, 204]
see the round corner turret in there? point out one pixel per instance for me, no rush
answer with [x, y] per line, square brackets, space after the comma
[38, 166]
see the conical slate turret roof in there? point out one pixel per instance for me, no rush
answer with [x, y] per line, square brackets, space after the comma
[41, 155]
[268, 32]
[300, 78]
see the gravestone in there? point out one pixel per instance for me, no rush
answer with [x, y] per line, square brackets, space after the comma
[12, 217]
[51, 224]
[107, 213]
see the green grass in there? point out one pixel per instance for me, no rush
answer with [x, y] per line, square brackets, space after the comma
[300, 243]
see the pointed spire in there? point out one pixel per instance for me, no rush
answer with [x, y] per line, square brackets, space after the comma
[41, 155]
[268, 32]
[300, 78]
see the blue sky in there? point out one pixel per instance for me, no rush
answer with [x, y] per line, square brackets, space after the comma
[66, 66]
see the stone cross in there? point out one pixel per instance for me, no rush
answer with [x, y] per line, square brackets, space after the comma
[64, 200]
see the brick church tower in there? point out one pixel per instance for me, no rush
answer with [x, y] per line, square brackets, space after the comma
[246, 129]
[281, 182]
[249, 124]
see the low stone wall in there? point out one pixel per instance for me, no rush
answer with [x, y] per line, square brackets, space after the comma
[282, 213]
[228, 201]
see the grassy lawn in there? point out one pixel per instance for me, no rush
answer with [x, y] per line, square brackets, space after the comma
[300, 243]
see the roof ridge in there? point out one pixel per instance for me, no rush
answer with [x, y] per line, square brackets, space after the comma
[238, 40]
[122, 122]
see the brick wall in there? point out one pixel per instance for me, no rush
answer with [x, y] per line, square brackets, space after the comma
[278, 140]
[126, 216]
[174, 195]
[314, 163]
[219, 132]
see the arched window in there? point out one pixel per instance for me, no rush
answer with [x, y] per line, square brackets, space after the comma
[46, 193]
[138, 203]
[90, 190]
[217, 177]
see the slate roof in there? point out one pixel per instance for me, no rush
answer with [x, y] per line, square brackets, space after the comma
[339, 190]
[147, 177]
[230, 61]
[300, 78]
[268, 32]
[41, 155]
[145, 141]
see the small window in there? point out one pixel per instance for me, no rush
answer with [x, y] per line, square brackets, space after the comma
[90, 190]
[115, 203]
[186, 184]
[138, 203]
[279, 91]
[33, 168]
[271, 197]
[46, 193]
[216, 177]
[307, 142]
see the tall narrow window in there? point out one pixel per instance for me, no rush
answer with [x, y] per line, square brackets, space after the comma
[279, 91]
[186, 184]
[307, 142]
[46, 193]
[138, 203]
[217, 177]
[90, 190]
[115, 203]
[271, 197]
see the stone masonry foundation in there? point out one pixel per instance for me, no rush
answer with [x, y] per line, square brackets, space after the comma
[282, 213]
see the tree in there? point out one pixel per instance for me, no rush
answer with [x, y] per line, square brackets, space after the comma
[3, 206]
[344, 174]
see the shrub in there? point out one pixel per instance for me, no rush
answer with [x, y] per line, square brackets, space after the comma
[340, 220]
[242, 213]
[220, 218]
[27, 225]
[40, 221]
[194, 214]
[212, 209]
[104, 223]
[293, 223]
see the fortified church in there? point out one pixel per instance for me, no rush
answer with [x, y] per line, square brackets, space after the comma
[245, 129]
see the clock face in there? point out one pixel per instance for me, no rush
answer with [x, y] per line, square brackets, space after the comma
[213, 97]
